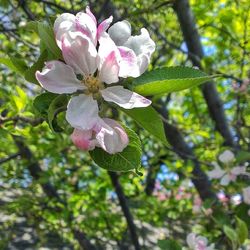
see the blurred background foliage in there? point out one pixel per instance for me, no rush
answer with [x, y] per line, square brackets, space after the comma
[53, 196]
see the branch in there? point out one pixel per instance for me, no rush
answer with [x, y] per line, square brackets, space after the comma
[31, 121]
[10, 157]
[23, 5]
[125, 208]
[192, 39]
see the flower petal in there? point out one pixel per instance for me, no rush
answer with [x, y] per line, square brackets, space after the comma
[83, 139]
[217, 172]
[120, 32]
[63, 24]
[225, 180]
[108, 60]
[89, 12]
[103, 26]
[246, 195]
[80, 53]
[191, 240]
[240, 170]
[226, 157]
[58, 77]
[112, 137]
[124, 97]
[86, 24]
[143, 46]
[128, 63]
[82, 112]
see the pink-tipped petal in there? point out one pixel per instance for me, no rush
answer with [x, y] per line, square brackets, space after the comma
[80, 53]
[83, 139]
[124, 97]
[143, 46]
[128, 63]
[58, 77]
[82, 112]
[87, 25]
[120, 32]
[103, 26]
[110, 69]
[112, 137]
[89, 12]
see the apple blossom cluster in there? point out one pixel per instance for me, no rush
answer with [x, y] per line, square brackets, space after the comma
[96, 56]
[198, 242]
[227, 158]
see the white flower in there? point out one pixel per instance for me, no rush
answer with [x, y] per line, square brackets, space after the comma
[198, 242]
[226, 176]
[141, 46]
[246, 195]
[90, 71]
[227, 157]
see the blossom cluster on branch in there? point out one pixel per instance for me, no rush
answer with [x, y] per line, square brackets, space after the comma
[96, 56]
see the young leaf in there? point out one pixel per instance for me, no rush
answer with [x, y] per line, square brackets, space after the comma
[59, 104]
[15, 64]
[38, 65]
[241, 230]
[231, 234]
[128, 159]
[150, 120]
[168, 245]
[42, 102]
[46, 34]
[168, 79]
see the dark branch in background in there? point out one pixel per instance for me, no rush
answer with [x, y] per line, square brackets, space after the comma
[36, 172]
[199, 178]
[125, 208]
[31, 121]
[25, 8]
[192, 39]
[10, 157]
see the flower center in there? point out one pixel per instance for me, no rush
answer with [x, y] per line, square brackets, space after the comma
[93, 84]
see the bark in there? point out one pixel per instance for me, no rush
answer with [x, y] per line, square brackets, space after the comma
[125, 208]
[192, 39]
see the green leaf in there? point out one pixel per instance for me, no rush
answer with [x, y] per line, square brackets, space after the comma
[241, 230]
[149, 119]
[58, 105]
[128, 159]
[242, 156]
[38, 65]
[230, 233]
[168, 245]
[168, 79]
[46, 34]
[42, 102]
[15, 64]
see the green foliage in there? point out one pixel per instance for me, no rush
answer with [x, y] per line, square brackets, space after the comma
[56, 106]
[169, 79]
[46, 34]
[38, 65]
[128, 159]
[231, 235]
[150, 120]
[42, 103]
[168, 245]
[15, 64]
[241, 230]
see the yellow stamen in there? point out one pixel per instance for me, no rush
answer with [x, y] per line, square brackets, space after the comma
[93, 84]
